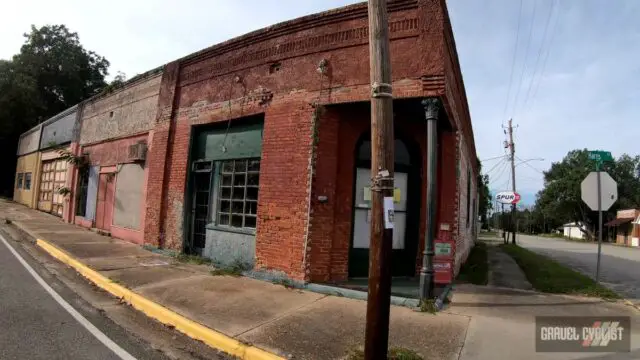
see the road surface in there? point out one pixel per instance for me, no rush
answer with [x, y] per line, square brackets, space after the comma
[34, 325]
[619, 266]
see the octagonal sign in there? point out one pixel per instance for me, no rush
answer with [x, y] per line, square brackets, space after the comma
[589, 189]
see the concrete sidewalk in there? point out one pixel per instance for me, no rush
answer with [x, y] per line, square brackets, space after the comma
[503, 270]
[503, 322]
[283, 321]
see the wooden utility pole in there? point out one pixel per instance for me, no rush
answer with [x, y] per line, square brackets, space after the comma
[512, 149]
[382, 157]
[503, 225]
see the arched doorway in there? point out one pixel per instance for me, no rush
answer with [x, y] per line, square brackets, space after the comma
[407, 209]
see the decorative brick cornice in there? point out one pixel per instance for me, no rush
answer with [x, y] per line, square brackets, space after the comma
[346, 13]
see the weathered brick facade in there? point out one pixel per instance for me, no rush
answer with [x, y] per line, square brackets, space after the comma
[307, 80]
[127, 111]
[308, 139]
[110, 124]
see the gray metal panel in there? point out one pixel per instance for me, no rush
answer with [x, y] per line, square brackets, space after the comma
[129, 191]
[361, 231]
[29, 141]
[92, 193]
[58, 130]
[230, 249]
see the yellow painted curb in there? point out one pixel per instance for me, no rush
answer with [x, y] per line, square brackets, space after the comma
[152, 309]
[629, 303]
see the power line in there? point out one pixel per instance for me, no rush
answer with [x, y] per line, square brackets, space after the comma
[526, 53]
[506, 163]
[535, 67]
[513, 65]
[493, 158]
[546, 57]
[494, 166]
[529, 165]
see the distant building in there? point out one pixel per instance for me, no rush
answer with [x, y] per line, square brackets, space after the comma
[625, 228]
[574, 230]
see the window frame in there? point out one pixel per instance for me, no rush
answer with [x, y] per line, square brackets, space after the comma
[24, 179]
[220, 186]
[19, 179]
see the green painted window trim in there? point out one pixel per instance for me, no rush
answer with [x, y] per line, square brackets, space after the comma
[236, 142]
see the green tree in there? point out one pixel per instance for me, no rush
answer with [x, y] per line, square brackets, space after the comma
[560, 201]
[65, 73]
[484, 196]
[51, 73]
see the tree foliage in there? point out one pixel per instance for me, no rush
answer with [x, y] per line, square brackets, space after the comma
[51, 73]
[484, 196]
[560, 201]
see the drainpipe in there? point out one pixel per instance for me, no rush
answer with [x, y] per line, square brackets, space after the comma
[431, 107]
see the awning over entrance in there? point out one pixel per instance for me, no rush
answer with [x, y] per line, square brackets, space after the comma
[619, 221]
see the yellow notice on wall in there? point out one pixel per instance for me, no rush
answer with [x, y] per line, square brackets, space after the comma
[397, 194]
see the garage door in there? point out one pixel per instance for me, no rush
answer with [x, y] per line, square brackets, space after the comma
[53, 177]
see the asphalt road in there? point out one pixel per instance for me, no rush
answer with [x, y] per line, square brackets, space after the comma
[33, 325]
[619, 266]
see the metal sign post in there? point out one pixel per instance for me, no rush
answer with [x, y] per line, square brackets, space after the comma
[599, 192]
[599, 224]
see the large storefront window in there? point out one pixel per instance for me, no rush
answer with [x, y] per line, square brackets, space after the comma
[238, 193]
[223, 189]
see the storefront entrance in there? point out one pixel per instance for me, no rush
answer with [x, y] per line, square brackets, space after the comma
[104, 205]
[406, 218]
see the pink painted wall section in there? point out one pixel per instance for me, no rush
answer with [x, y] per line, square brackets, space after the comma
[110, 154]
[81, 221]
[127, 234]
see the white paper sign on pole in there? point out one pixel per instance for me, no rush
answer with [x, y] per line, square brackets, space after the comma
[388, 212]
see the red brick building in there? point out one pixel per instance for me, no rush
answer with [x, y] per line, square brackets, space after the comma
[260, 149]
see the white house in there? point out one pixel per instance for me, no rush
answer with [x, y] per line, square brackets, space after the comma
[572, 230]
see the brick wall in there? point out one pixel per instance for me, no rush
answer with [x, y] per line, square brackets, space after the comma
[275, 72]
[466, 231]
[112, 152]
[127, 111]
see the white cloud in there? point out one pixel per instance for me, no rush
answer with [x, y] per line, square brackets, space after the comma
[588, 96]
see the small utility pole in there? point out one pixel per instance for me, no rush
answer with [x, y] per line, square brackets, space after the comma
[513, 179]
[382, 157]
[599, 224]
[502, 224]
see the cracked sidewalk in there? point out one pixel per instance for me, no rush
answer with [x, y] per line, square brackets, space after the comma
[288, 322]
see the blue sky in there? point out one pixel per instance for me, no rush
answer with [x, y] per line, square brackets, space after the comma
[585, 96]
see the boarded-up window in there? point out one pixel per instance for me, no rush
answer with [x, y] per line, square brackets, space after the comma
[129, 191]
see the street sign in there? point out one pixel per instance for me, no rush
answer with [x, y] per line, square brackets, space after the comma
[589, 189]
[508, 197]
[600, 156]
